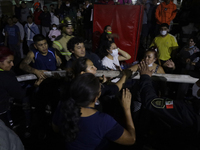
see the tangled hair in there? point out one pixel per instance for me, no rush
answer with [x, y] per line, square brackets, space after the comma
[83, 91]
[154, 50]
[73, 41]
[79, 65]
[103, 49]
[4, 53]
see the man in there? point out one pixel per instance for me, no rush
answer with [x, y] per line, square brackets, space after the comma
[24, 13]
[61, 41]
[31, 29]
[166, 44]
[12, 37]
[77, 48]
[21, 29]
[45, 18]
[165, 13]
[176, 113]
[42, 58]
[37, 12]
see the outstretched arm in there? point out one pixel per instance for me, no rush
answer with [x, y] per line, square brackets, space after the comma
[25, 65]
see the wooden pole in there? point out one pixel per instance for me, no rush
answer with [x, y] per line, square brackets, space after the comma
[178, 78]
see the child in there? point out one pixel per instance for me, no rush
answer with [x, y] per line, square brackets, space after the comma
[54, 32]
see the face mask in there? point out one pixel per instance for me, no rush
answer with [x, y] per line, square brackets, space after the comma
[67, 5]
[163, 32]
[109, 32]
[114, 52]
[195, 89]
[150, 65]
[54, 28]
[191, 46]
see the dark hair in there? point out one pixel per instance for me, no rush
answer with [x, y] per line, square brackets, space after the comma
[83, 91]
[30, 17]
[103, 49]
[4, 53]
[51, 5]
[73, 41]
[79, 65]
[194, 39]
[106, 27]
[38, 37]
[14, 16]
[154, 50]
[23, 2]
[164, 25]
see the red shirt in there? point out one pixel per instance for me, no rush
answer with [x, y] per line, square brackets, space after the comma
[36, 15]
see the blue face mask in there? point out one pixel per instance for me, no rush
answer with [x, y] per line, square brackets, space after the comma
[191, 46]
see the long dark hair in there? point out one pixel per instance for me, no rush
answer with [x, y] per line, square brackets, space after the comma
[83, 91]
[79, 65]
[103, 49]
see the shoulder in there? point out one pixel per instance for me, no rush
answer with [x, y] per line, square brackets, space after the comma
[172, 37]
[59, 37]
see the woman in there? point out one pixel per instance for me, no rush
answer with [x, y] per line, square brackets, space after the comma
[86, 128]
[150, 58]
[9, 86]
[111, 58]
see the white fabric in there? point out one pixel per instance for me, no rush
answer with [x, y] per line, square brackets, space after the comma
[109, 63]
[29, 31]
[21, 29]
[55, 20]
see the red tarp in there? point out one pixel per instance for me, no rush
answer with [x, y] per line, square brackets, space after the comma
[125, 20]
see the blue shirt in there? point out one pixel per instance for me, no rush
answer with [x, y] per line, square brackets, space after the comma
[47, 62]
[13, 31]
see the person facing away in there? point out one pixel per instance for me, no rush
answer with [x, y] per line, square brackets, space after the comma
[81, 119]
[31, 29]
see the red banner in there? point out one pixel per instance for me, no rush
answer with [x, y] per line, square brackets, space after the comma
[125, 20]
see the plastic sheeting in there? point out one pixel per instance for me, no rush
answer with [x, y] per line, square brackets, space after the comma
[125, 20]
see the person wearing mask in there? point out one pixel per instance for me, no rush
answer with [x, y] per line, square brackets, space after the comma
[36, 14]
[165, 13]
[54, 32]
[166, 44]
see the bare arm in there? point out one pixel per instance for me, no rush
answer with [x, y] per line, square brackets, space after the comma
[161, 70]
[134, 68]
[124, 55]
[26, 67]
[128, 137]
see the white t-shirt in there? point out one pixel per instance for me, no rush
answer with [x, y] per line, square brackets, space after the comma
[110, 63]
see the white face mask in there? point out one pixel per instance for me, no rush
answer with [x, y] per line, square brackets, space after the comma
[163, 32]
[195, 89]
[54, 28]
[150, 65]
[68, 5]
[114, 52]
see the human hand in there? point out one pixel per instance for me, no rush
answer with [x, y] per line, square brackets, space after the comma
[169, 64]
[188, 60]
[118, 67]
[127, 73]
[144, 69]
[53, 36]
[126, 99]
[193, 63]
[40, 74]
[38, 82]
[103, 79]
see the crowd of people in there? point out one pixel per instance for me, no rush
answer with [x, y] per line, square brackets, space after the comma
[84, 109]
